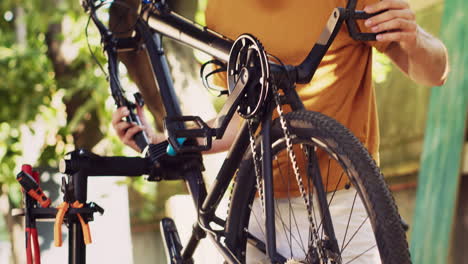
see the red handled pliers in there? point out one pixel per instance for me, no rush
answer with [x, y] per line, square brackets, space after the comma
[32, 241]
[29, 180]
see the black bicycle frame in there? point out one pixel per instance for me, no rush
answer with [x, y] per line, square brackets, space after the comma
[169, 24]
[164, 22]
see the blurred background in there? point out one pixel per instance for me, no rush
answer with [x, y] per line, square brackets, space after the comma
[54, 97]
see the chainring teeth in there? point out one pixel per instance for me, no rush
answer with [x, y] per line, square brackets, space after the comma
[248, 52]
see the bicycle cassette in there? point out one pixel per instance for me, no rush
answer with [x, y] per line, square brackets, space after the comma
[247, 53]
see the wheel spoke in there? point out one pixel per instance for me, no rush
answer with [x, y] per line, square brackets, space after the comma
[258, 222]
[291, 214]
[369, 249]
[331, 199]
[298, 241]
[336, 188]
[359, 228]
[337, 231]
[349, 220]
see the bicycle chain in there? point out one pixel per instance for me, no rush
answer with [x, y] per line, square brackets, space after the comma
[258, 174]
[292, 157]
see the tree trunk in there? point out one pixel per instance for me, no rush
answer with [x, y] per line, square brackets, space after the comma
[86, 134]
[15, 224]
[20, 28]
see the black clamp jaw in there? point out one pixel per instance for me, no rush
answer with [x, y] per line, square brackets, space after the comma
[157, 165]
[167, 167]
[87, 211]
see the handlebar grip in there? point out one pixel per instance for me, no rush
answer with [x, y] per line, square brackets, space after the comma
[141, 140]
[94, 165]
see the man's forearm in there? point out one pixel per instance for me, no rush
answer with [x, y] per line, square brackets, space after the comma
[425, 62]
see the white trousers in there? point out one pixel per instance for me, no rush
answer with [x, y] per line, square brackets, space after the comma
[359, 245]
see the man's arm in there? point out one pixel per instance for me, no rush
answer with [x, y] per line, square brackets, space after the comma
[421, 56]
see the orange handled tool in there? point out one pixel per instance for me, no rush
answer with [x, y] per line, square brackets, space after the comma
[31, 187]
[84, 225]
[62, 209]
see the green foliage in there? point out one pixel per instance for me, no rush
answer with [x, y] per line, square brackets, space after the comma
[26, 84]
[200, 14]
[32, 117]
[381, 67]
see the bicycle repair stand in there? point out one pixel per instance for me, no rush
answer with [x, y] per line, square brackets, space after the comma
[78, 166]
[76, 217]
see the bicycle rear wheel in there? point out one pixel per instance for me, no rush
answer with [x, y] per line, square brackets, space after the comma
[352, 218]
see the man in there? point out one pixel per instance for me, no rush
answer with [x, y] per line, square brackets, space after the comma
[342, 86]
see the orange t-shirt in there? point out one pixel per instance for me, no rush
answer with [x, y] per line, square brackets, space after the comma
[342, 85]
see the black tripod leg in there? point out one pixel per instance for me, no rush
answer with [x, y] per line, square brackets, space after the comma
[76, 244]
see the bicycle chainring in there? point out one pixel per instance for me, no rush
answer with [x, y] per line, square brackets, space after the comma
[247, 53]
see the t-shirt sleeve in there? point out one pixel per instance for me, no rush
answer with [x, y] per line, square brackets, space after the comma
[380, 46]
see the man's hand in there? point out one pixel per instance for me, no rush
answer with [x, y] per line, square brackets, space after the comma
[417, 53]
[126, 131]
[397, 24]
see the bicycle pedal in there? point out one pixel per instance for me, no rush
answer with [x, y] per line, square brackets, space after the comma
[176, 130]
[171, 240]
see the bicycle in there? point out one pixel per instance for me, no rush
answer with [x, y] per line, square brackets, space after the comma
[258, 85]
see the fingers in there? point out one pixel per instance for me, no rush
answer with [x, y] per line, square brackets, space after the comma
[398, 37]
[118, 115]
[121, 128]
[405, 14]
[397, 23]
[129, 133]
[119, 125]
[386, 5]
[125, 130]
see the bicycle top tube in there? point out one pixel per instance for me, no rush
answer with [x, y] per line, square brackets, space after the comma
[166, 22]
[161, 19]
[174, 26]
